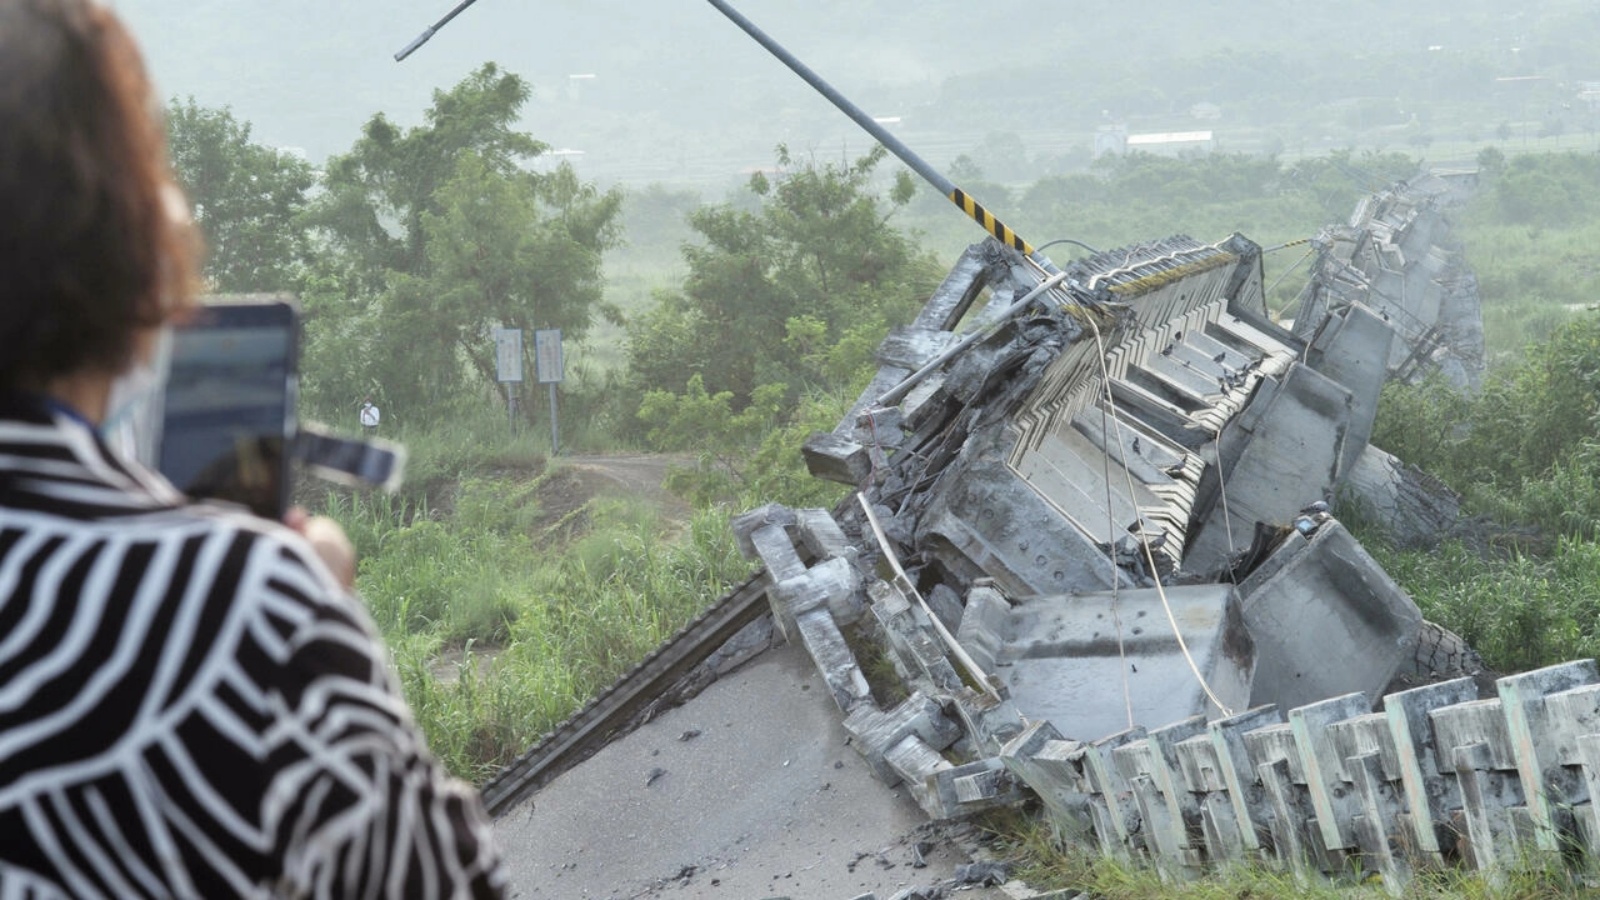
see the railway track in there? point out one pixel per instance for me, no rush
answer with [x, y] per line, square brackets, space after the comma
[629, 701]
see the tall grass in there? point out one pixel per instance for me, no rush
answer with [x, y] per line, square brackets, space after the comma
[1519, 611]
[498, 635]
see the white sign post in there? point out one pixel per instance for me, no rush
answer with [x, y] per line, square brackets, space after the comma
[548, 362]
[508, 368]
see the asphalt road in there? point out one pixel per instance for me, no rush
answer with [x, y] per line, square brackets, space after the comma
[748, 791]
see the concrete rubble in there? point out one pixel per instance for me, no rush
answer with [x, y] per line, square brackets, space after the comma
[1093, 540]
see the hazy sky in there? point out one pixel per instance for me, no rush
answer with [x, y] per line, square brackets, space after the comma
[679, 94]
[307, 73]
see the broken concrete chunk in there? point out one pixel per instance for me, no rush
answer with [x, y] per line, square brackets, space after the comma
[876, 732]
[834, 660]
[746, 524]
[1411, 507]
[1087, 662]
[833, 457]
[1325, 616]
[983, 622]
[915, 648]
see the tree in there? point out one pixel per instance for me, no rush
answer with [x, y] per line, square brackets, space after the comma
[388, 180]
[521, 251]
[785, 294]
[247, 198]
[436, 234]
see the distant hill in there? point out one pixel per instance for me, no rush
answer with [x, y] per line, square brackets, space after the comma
[679, 95]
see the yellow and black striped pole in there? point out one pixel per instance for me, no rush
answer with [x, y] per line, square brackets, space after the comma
[960, 198]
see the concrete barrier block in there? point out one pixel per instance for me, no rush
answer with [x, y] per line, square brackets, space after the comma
[917, 765]
[1271, 743]
[1473, 722]
[1550, 787]
[1364, 734]
[1588, 814]
[820, 534]
[1111, 801]
[983, 624]
[911, 347]
[838, 458]
[1491, 796]
[975, 787]
[833, 583]
[1432, 794]
[1326, 780]
[1046, 762]
[876, 732]
[1290, 819]
[1246, 795]
[1167, 808]
[990, 722]
[918, 655]
[1573, 713]
[1201, 772]
[1379, 831]
[773, 545]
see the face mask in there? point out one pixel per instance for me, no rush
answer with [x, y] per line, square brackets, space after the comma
[132, 424]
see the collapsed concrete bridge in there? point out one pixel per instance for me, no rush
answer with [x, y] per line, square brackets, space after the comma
[1094, 540]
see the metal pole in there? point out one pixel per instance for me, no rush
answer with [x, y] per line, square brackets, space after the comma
[960, 198]
[511, 406]
[422, 38]
[555, 427]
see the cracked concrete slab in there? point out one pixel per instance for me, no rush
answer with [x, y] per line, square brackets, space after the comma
[751, 791]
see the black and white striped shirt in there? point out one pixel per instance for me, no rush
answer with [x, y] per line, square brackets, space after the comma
[191, 707]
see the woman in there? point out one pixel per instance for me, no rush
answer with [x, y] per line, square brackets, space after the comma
[192, 704]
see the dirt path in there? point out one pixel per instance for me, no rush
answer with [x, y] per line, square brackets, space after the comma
[638, 475]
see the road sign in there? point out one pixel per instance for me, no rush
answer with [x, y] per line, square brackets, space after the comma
[547, 355]
[508, 354]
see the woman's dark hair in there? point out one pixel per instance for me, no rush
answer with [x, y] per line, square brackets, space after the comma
[94, 243]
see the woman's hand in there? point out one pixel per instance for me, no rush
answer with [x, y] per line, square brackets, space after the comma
[330, 542]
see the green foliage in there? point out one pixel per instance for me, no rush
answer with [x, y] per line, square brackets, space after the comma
[1523, 449]
[390, 179]
[1046, 864]
[436, 234]
[1530, 235]
[1519, 612]
[746, 458]
[523, 252]
[767, 290]
[1554, 189]
[247, 199]
[1422, 422]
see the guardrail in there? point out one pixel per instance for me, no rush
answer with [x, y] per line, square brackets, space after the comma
[1436, 777]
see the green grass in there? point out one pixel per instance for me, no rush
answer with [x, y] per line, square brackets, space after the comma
[1046, 863]
[500, 623]
[1519, 611]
